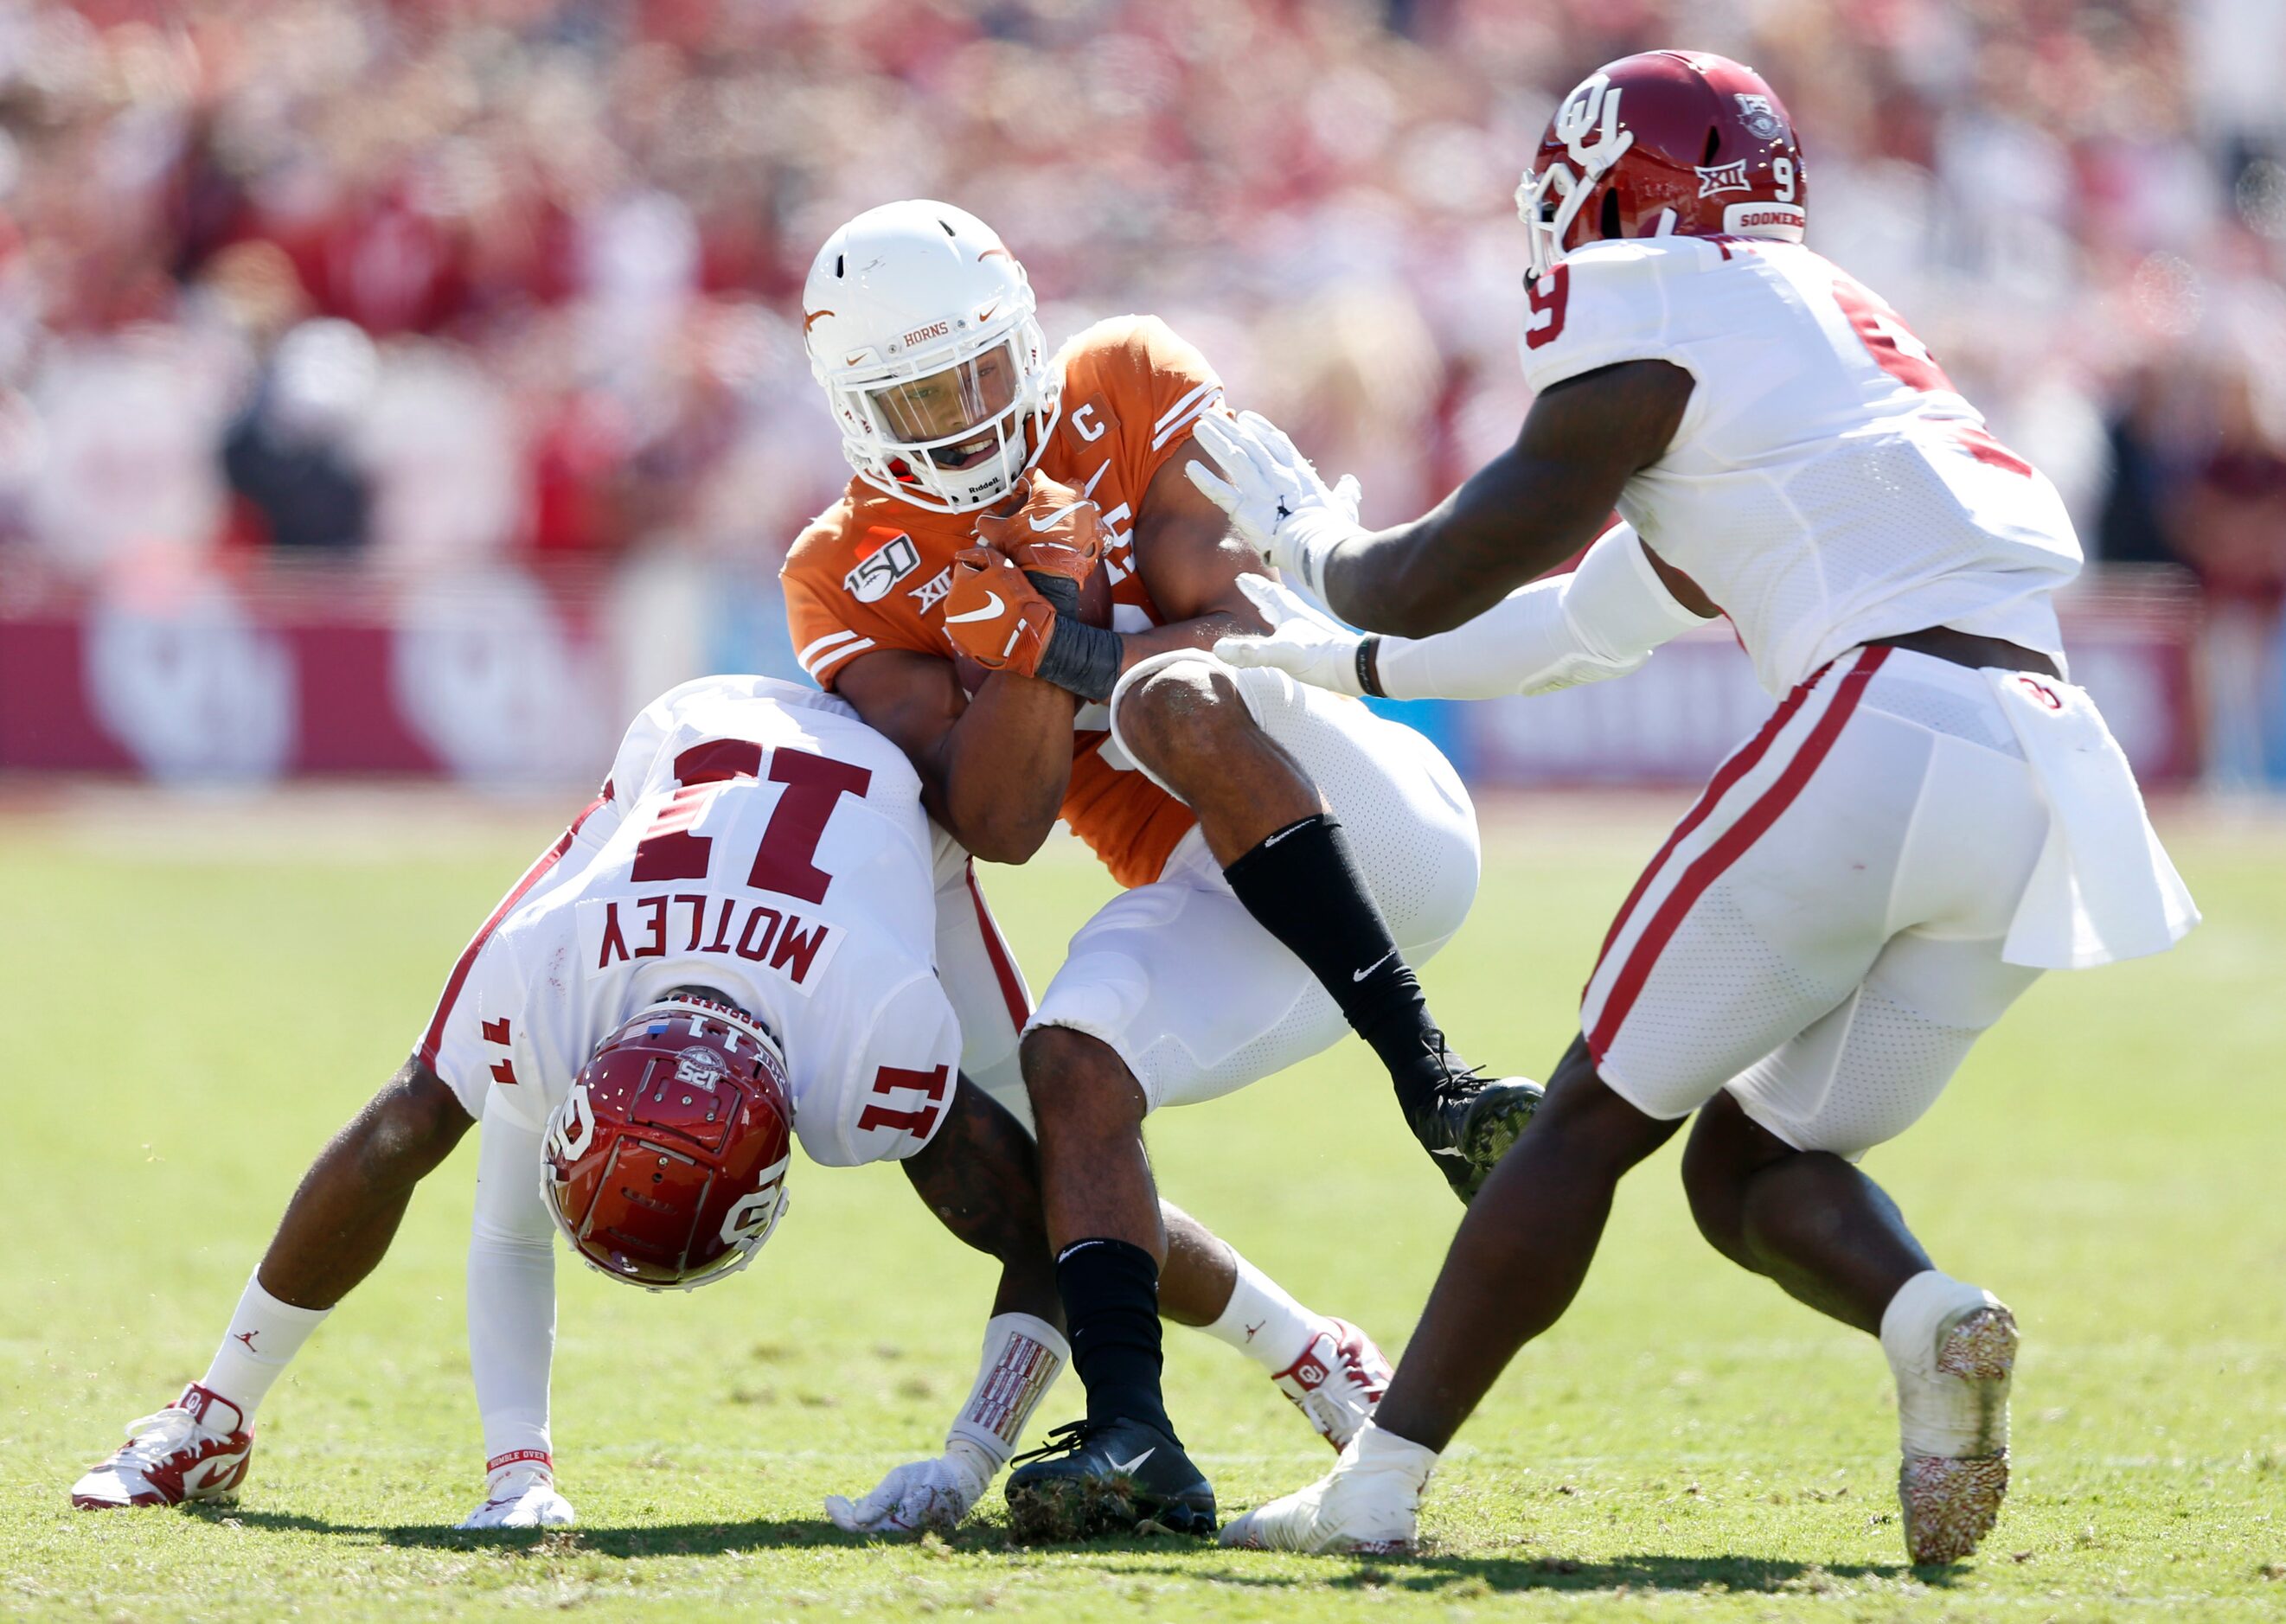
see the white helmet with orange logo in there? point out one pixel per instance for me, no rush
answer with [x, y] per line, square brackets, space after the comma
[920, 325]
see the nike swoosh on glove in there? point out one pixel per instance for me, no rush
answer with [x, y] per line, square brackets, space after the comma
[995, 615]
[919, 1495]
[1054, 535]
[1306, 644]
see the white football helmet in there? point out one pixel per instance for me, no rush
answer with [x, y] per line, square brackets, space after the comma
[920, 325]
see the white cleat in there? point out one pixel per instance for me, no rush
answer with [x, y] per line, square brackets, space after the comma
[1368, 1505]
[196, 1448]
[522, 1496]
[1339, 1378]
[1953, 1349]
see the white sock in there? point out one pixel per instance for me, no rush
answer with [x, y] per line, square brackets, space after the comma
[1262, 1323]
[264, 1335]
[1374, 1450]
[1936, 1415]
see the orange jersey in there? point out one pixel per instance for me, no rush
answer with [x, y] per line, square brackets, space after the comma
[871, 571]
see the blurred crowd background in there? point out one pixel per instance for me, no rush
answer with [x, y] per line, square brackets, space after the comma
[386, 291]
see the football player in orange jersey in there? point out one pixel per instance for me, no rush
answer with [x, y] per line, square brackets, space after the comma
[1020, 588]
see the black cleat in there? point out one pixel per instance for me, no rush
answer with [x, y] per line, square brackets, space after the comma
[1116, 1477]
[1469, 1124]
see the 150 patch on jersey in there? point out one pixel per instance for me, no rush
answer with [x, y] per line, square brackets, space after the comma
[887, 557]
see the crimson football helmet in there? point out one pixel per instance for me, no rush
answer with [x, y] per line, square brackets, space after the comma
[1681, 143]
[666, 1164]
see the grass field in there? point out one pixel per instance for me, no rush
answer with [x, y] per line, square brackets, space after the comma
[193, 1007]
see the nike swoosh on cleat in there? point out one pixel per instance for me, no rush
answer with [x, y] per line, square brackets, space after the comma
[207, 1470]
[990, 611]
[1358, 975]
[1130, 1466]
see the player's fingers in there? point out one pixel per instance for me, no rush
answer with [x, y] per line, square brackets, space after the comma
[1273, 445]
[1216, 490]
[843, 1515]
[1348, 492]
[1276, 603]
[1243, 651]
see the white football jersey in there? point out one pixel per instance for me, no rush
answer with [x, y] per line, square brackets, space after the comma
[1828, 485]
[754, 837]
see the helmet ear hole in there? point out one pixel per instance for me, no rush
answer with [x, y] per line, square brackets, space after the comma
[1610, 220]
[841, 265]
[1713, 142]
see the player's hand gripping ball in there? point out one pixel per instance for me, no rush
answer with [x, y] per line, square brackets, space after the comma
[1039, 557]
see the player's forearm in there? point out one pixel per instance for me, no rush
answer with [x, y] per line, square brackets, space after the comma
[1199, 631]
[981, 1176]
[511, 1293]
[1599, 621]
[1002, 768]
[1459, 559]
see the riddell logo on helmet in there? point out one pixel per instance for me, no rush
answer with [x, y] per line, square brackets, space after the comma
[935, 329]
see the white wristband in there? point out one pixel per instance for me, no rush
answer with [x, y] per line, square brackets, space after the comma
[1022, 1358]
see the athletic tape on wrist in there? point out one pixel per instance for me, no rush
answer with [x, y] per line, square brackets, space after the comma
[1080, 659]
[1368, 659]
[1061, 590]
[1022, 1358]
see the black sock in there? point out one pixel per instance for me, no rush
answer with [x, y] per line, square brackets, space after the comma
[1111, 1306]
[1301, 886]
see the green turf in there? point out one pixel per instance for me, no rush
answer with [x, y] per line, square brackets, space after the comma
[182, 1031]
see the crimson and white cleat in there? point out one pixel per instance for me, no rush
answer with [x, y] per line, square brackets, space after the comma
[1368, 1505]
[1339, 1378]
[196, 1448]
[1953, 1349]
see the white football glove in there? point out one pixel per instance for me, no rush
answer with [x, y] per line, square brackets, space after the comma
[1274, 498]
[920, 1494]
[522, 1496]
[1306, 643]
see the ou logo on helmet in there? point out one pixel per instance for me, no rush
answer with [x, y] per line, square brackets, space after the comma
[1587, 124]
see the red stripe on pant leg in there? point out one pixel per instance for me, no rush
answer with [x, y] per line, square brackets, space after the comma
[1011, 985]
[1740, 762]
[1733, 844]
[427, 1052]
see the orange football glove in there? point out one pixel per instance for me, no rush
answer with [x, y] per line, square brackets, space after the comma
[996, 616]
[1051, 532]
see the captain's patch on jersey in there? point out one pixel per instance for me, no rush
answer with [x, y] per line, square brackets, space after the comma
[885, 557]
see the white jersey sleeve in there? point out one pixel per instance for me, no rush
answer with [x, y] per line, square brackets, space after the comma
[1602, 305]
[883, 1096]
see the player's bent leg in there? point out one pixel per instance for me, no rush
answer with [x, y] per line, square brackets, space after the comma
[1122, 1468]
[1775, 1169]
[1810, 1221]
[335, 1229]
[1328, 1369]
[1271, 771]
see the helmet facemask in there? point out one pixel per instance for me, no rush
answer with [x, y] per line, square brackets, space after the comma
[1548, 201]
[988, 396]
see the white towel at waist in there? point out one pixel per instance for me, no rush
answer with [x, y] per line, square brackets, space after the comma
[2103, 888]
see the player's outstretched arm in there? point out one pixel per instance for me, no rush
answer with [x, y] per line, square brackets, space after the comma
[1600, 620]
[512, 1330]
[980, 1175]
[993, 768]
[1519, 515]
